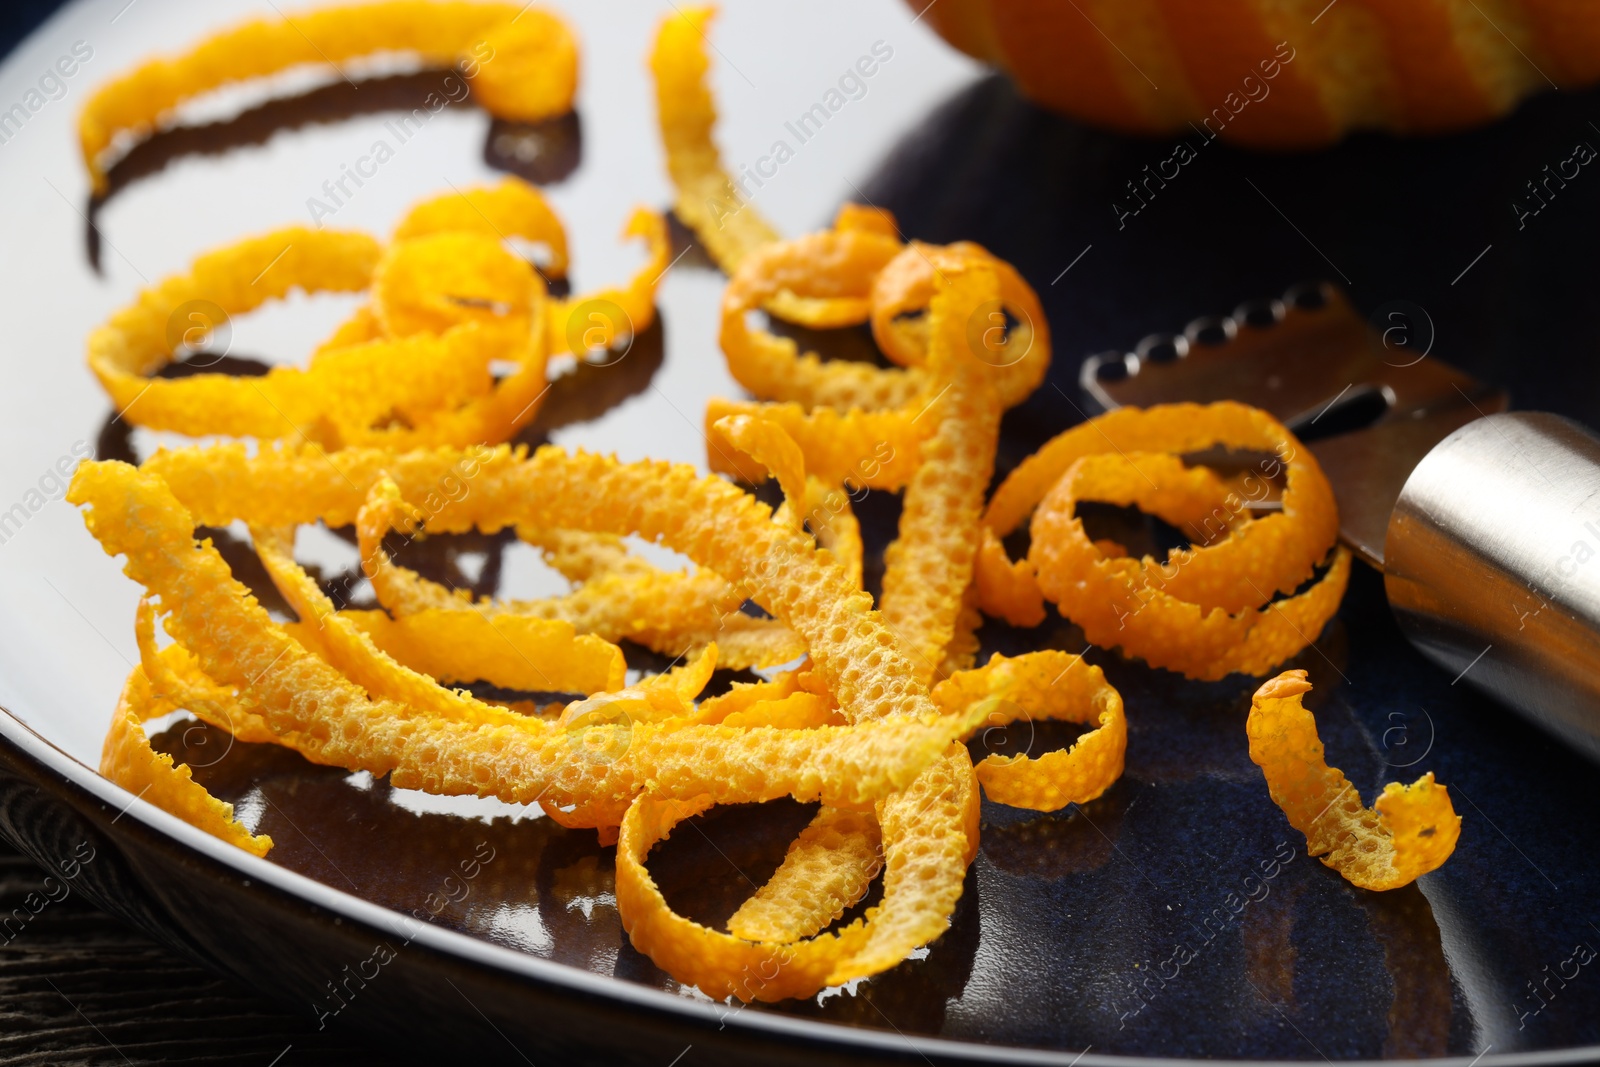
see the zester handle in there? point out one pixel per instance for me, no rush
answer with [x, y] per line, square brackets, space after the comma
[1492, 566]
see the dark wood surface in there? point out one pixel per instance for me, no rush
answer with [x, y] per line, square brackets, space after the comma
[79, 987]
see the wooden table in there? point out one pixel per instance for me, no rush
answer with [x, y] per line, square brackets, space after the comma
[79, 987]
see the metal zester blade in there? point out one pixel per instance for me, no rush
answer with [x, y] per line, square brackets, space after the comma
[1311, 360]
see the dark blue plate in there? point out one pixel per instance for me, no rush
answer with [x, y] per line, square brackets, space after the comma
[480, 932]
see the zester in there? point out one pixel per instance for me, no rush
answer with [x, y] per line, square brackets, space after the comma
[1485, 522]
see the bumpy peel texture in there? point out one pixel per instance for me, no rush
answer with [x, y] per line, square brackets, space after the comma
[1410, 831]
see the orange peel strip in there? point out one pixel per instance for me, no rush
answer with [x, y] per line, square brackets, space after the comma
[525, 73]
[930, 835]
[527, 69]
[798, 711]
[924, 601]
[330, 719]
[128, 760]
[927, 572]
[721, 965]
[829, 516]
[506, 408]
[829, 266]
[871, 449]
[713, 520]
[744, 696]
[581, 556]
[828, 867]
[825, 312]
[669, 613]
[928, 568]
[905, 286]
[430, 283]
[933, 819]
[767, 443]
[1114, 601]
[511, 651]
[839, 277]
[1048, 685]
[1410, 831]
[807, 501]
[177, 677]
[599, 319]
[660, 698]
[364, 392]
[336, 638]
[1273, 554]
[134, 343]
[1007, 590]
[665, 697]
[361, 327]
[511, 208]
[867, 219]
[438, 387]
[728, 226]
[921, 848]
[961, 651]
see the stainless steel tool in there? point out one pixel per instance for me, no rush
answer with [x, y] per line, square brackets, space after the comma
[1484, 522]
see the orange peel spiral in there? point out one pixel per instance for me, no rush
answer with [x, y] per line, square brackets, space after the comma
[522, 62]
[1410, 830]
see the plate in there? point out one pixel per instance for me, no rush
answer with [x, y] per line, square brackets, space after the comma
[1062, 949]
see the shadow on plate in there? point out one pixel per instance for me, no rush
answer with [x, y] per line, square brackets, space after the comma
[541, 153]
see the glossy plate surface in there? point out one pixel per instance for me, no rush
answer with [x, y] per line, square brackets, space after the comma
[1065, 937]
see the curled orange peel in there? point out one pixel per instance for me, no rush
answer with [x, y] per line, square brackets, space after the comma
[855, 425]
[411, 653]
[843, 276]
[603, 318]
[522, 62]
[128, 760]
[868, 449]
[451, 308]
[1045, 685]
[716, 523]
[827, 869]
[134, 343]
[1016, 350]
[507, 209]
[928, 567]
[920, 850]
[316, 709]
[1273, 554]
[831, 865]
[429, 283]
[867, 218]
[809, 503]
[707, 201]
[430, 383]
[514, 652]
[825, 309]
[624, 597]
[483, 750]
[1408, 832]
[828, 266]
[769, 445]
[742, 697]
[1119, 601]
